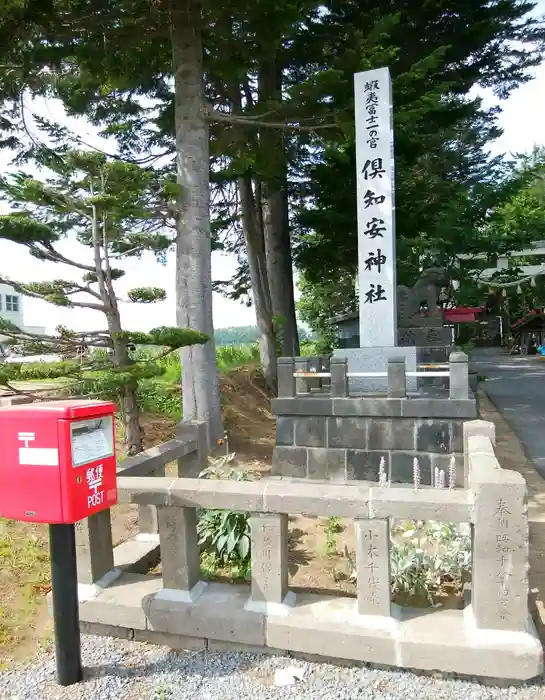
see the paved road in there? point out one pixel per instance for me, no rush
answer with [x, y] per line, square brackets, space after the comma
[516, 385]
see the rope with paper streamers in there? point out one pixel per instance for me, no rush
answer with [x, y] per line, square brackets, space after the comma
[516, 283]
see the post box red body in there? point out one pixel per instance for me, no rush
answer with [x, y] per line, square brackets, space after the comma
[57, 461]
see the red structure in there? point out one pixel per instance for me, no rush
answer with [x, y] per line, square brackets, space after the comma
[58, 462]
[463, 314]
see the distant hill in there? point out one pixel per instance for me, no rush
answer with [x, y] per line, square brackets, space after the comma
[240, 335]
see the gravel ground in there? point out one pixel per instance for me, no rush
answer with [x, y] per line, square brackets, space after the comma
[122, 670]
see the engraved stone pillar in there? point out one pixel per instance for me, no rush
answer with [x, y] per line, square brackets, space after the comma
[286, 380]
[94, 547]
[179, 549]
[147, 515]
[302, 385]
[373, 567]
[499, 595]
[269, 559]
[397, 383]
[339, 380]
[458, 375]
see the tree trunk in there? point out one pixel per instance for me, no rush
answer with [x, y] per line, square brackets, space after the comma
[276, 219]
[200, 389]
[280, 266]
[130, 413]
[255, 249]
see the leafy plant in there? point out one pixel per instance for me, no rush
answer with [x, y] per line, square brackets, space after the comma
[424, 555]
[332, 529]
[225, 534]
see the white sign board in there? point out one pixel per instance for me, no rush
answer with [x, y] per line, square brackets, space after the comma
[91, 440]
[376, 211]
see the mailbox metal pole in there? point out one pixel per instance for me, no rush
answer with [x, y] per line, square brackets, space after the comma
[64, 588]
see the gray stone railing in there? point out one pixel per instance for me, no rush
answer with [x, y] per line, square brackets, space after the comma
[492, 636]
[94, 543]
[309, 375]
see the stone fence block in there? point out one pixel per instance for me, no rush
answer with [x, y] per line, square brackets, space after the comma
[476, 428]
[408, 503]
[459, 375]
[193, 463]
[94, 547]
[499, 598]
[397, 379]
[179, 549]
[286, 380]
[16, 400]
[302, 364]
[269, 533]
[148, 461]
[339, 380]
[373, 567]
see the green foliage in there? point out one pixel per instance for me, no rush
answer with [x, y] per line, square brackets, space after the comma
[225, 534]
[242, 335]
[21, 228]
[113, 209]
[176, 337]
[332, 529]
[146, 295]
[115, 274]
[229, 357]
[426, 554]
[26, 372]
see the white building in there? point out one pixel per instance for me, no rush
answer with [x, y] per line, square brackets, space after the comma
[11, 309]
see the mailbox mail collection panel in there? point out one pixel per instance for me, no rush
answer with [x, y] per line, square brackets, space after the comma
[57, 460]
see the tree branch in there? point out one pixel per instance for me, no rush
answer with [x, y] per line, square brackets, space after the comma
[51, 254]
[213, 115]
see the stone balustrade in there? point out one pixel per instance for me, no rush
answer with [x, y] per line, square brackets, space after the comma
[492, 636]
[306, 376]
[96, 557]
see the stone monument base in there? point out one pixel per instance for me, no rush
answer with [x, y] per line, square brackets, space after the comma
[375, 359]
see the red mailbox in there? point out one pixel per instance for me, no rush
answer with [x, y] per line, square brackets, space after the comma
[57, 461]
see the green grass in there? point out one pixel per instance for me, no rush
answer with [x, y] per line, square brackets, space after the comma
[24, 580]
[332, 528]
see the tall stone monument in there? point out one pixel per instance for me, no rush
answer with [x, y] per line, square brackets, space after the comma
[376, 236]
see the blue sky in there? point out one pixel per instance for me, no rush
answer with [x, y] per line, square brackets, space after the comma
[523, 122]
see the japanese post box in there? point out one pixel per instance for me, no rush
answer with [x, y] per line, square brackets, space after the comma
[57, 460]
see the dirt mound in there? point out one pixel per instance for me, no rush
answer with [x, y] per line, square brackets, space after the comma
[248, 421]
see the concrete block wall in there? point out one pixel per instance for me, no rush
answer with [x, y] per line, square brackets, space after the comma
[340, 437]
[351, 447]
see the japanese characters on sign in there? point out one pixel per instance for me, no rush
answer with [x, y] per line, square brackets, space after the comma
[375, 185]
[94, 477]
[503, 557]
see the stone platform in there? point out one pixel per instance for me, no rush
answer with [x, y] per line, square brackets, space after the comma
[137, 607]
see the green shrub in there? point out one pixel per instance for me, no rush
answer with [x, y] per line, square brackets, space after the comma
[160, 397]
[224, 535]
[424, 555]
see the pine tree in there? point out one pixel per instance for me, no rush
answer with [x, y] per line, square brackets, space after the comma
[115, 210]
